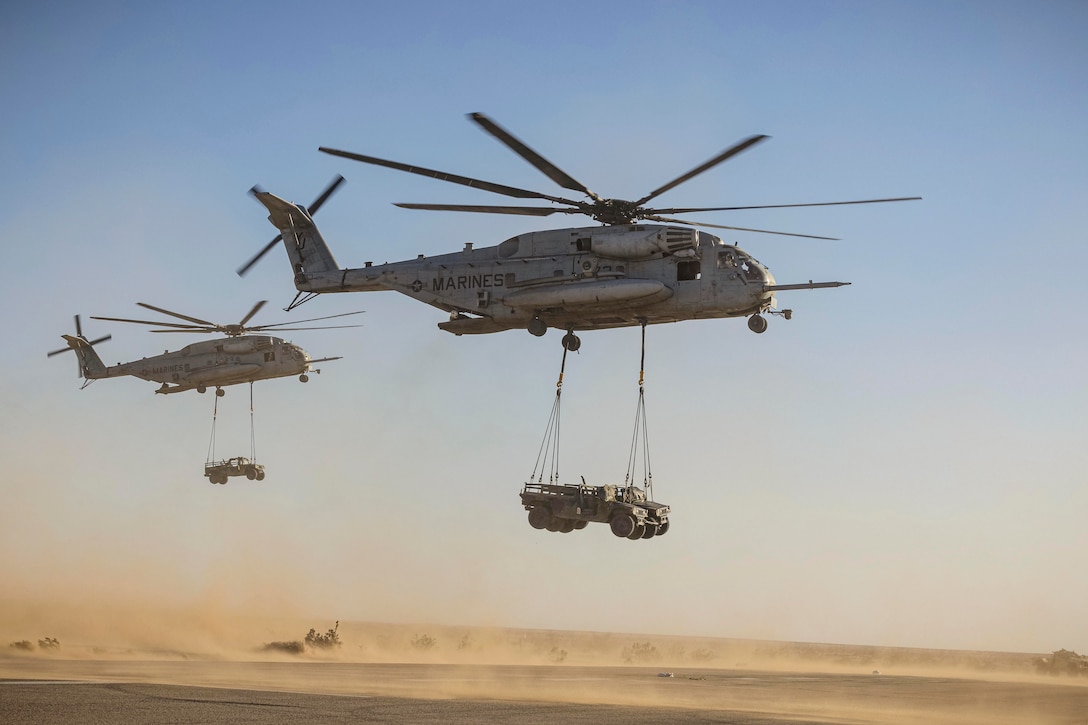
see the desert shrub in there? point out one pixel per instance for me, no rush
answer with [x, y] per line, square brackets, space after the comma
[639, 652]
[291, 648]
[424, 642]
[324, 641]
[49, 643]
[25, 645]
[702, 655]
[557, 655]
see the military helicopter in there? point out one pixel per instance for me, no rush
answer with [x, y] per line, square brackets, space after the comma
[241, 358]
[622, 273]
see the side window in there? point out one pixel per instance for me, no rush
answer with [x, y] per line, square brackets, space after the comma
[687, 270]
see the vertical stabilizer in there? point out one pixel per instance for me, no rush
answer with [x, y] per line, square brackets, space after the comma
[305, 246]
[90, 365]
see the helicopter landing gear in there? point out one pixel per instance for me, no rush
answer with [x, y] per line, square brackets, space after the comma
[202, 389]
[571, 341]
[304, 377]
[219, 392]
[757, 324]
[537, 327]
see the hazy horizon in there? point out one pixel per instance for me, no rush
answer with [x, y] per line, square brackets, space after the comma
[901, 464]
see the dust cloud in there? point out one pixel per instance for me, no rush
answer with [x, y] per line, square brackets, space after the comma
[196, 597]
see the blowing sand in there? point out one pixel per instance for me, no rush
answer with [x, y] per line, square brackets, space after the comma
[728, 680]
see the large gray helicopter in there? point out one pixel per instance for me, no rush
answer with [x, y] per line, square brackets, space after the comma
[242, 357]
[620, 274]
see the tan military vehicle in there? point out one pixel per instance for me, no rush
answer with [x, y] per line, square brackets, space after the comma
[220, 471]
[566, 507]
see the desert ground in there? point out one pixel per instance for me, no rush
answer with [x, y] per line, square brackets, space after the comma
[266, 671]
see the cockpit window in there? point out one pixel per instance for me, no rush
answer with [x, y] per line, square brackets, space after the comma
[728, 260]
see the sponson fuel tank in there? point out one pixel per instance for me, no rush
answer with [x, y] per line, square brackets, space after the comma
[593, 292]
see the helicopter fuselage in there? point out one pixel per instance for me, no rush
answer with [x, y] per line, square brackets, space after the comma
[216, 363]
[581, 278]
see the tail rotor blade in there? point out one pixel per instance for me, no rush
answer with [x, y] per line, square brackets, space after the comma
[312, 208]
[79, 328]
[267, 248]
[92, 343]
[57, 352]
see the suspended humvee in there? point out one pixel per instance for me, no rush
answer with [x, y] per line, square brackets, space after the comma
[566, 507]
[220, 471]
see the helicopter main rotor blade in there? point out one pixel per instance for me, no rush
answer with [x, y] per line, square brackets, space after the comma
[452, 178]
[727, 154]
[189, 328]
[252, 312]
[312, 208]
[326, 327]
[268, 247]
[549, 169]
[656, 218]
[177, 314]
[781, 206]
[523, 210]
[312, 319]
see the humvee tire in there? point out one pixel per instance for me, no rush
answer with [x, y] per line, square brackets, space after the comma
[622, 525]
[539, 516]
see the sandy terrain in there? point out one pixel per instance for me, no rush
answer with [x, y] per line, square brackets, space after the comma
[403, 673]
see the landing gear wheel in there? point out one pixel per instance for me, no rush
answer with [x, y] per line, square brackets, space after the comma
[572, 342]
[650, 532]
[219, 392]
[622, 525]
[637, 534]
[251, 473]
[537, 327]
[554, 524]
[304, 377]
[757, 324]
[539, 517]
[260, 475]
[579, 525]
[566, 526]
[662, 528]
[202, 389]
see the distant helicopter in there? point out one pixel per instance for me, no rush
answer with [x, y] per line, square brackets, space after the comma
[241, 358]
[623, 273]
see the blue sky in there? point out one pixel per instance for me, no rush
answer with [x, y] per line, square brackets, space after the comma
[902, 463]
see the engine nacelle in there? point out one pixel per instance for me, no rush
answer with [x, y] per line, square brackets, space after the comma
[640, 242]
